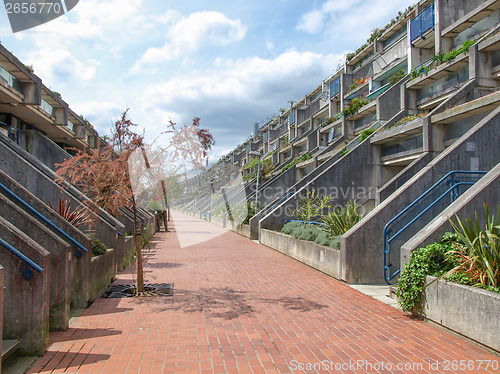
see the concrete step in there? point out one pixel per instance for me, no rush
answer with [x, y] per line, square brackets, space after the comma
[9, 348]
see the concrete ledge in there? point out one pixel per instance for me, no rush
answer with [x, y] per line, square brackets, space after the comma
[470, 311]
[317, 256]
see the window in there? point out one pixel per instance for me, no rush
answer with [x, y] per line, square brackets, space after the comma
[7, 77]
[47, 107]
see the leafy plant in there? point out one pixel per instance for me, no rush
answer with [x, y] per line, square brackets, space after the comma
[97, 248]
[343, 151]
[479, 253]
[304, 157]
[355, 104]
[431, 260]
[400, 74]
[77, 217]
[342, 219]
[406, 120]
[311, 205]
[441, 58]
[311, 233]
[365, 134]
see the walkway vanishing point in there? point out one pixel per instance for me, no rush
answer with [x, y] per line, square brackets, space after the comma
[240, 307]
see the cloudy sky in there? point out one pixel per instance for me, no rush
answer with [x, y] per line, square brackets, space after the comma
[231, 63]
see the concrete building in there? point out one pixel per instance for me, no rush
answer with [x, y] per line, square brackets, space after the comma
[47, 265]
[417, 101]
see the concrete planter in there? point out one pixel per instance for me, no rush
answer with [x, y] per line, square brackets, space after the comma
[470, 311]
[243, 230]
[318, 256]
[219, 221]
[102, 271]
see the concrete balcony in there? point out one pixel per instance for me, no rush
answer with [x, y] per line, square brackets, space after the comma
[440, 71]
[474, 16]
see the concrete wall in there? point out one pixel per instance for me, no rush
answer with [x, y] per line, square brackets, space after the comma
[362, 245]
[26, 302]
[44, 149]
[243, 230]
[102, 271]
[485, 191]
[402, 177]
[39, 180]
[60, 257]
[322, 258]
[470, 311]
[79, 265]
[350, 176]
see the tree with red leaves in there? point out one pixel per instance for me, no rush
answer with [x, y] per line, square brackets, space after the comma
[104, 174]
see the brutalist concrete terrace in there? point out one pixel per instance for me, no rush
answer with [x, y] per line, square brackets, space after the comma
[240, 307]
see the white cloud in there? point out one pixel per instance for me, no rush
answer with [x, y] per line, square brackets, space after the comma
[198, 30]
[233, 94]
[311, 22]
[350, 22]
[60, 66]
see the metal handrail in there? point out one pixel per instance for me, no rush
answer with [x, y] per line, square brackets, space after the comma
[449, 179]
[43, 218]
[27, 273]
[319, 224]
[266, 212]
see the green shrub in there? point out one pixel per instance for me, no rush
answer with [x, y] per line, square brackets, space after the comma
[354, 105]
[97, 247]
[365, 134]
[304, 157]
[311, 233]
[400, 74]
[431, 260]
[322, 238]
[289, 227]
[441, 58]
[308, 233]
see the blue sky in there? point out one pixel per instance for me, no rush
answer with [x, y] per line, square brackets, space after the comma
[230, 63]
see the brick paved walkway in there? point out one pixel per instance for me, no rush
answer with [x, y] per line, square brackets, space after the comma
[239, 307]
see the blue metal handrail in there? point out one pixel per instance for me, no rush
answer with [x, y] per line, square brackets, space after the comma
[319, 224]
[27, 273]
[451, 183]
[48, 222]
[271, 208]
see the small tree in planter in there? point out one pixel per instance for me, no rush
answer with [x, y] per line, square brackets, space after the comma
[310, 205]
[104, 174]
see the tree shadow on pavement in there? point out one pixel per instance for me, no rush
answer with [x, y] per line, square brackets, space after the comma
[227, 303]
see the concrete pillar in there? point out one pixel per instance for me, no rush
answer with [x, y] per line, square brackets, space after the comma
[32, 92]
[61, 115]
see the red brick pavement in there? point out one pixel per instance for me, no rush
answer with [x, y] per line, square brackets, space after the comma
[239, 307]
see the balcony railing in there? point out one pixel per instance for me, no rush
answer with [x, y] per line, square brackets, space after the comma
[422, 23]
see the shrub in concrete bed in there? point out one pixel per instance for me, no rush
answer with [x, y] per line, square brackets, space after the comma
[310, 233]
[97, 247]
[469, 256]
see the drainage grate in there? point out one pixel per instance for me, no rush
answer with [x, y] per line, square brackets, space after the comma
[130, 290]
